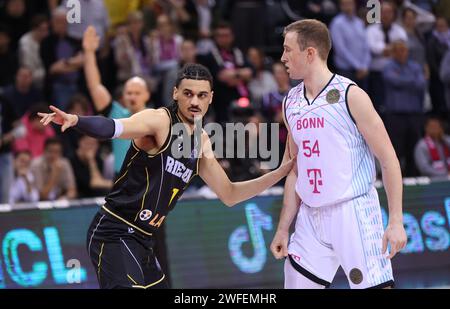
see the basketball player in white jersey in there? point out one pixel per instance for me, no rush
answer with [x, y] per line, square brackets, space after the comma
[336, 133]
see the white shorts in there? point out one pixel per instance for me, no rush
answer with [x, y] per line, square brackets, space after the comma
[348, 234]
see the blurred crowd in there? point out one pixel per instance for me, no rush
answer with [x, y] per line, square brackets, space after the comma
[402, 60]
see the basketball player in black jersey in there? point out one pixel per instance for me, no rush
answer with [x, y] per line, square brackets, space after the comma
[120, 242]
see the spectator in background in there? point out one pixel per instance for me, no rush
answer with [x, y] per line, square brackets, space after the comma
[132, 50]
[424, 19]
[23, 94]
[263, 82]
[8, 58]
[416, 40]
[230, 70]
[87, 166]
[62, 61]
[197, 26]
[272, 103]
[92, 13]
[438, 45]
[351, 50]
[119, 10]
[7, 136]
[445, 78]
[23, 188]
[53, 173]
[323, 10]
[14, 15]
[379, 37]
[165, 52]
[188, 53]
[29, 49]
[247, 18]
[135, 95]
[432, 153]
[78, 105]
[443, 7]
[36, 133]
[405, 88]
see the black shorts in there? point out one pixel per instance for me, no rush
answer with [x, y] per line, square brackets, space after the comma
[122, 257]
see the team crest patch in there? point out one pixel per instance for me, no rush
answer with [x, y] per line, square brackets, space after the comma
[356, 276]
[145, 215]
[333, 96]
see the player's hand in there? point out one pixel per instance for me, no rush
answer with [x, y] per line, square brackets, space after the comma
[395, 236]
[91, 41]
[279, 246]
[59, 117]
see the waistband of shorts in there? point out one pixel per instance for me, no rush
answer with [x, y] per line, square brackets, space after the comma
[104, 210]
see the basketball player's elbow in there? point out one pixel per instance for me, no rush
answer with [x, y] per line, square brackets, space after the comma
[228, 197]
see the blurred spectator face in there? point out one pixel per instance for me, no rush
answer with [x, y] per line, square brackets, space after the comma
[409, 19]
[164, 25]
[135, 94]
[41, 32]
[441, 25]
[36, 124]
[15, 8]
[224, 37]
[348, 7]
[280, 74]
[135, 23]
[400, 52]
[188, 51]
[434, 129]
[256, 58]
[387, 14]
[4, 42]
[24, 79]
[53, 152]
[78, 106]
[22, 163]
[293, 58]
[59, 23]
[88, 144]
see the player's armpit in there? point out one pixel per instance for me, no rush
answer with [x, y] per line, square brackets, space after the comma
[144, 123]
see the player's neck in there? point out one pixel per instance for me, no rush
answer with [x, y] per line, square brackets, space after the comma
[315, 82]
[189, 126]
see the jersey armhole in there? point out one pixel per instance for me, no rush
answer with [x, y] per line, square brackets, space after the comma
[283, 106]
[167, 141]
[346, 103]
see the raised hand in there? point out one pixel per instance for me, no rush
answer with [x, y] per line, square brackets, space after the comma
[59, 117]
[91, 41]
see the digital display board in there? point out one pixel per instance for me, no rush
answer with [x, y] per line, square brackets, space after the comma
[209, 244]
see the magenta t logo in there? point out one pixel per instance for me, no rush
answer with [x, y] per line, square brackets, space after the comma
[316, 179]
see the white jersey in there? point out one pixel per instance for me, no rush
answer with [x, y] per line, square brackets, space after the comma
[334, 162]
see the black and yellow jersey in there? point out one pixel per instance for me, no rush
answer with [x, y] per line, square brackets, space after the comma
[150, 185]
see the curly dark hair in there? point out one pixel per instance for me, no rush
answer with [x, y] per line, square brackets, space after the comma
[194, 71]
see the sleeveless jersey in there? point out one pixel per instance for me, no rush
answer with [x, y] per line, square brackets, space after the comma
[150, 185]
[334, 162]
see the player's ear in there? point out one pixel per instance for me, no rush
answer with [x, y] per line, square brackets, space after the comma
[311, 52]
[175, 94]
[211, 99]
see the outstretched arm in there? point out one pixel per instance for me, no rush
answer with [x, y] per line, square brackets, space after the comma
[144, 123]
[372, 128]
[98, 92]
[231, 193]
